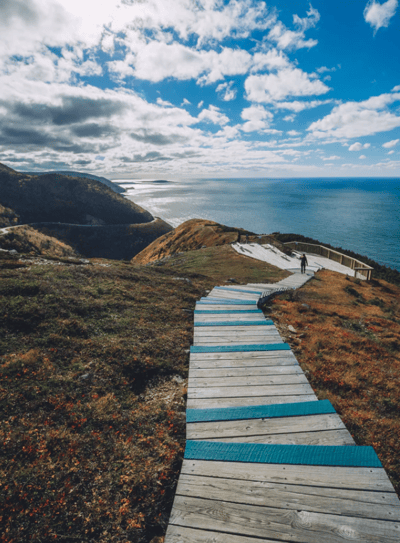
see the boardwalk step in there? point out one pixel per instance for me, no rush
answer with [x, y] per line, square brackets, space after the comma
[305, 455]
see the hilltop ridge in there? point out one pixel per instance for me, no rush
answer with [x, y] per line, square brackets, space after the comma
[53, 197]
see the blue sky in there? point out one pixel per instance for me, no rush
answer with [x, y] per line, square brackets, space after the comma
[201, 88]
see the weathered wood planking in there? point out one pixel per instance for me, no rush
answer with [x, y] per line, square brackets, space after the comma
[320, 438]
[243, 355]
[237, 295]
[362, 503]
[217, 330]
[240, 392]
[374, 479]
[254, 427]
[251, 340]
[206, 403]
[246, 371]
[291, 379]
[216, 306]
[280, 524]
[235, 363]
[243, 332]
[181, 534]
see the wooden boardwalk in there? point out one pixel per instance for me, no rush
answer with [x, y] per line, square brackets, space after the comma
[265, 461]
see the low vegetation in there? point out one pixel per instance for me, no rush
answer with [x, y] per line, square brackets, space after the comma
[28, 240]
[347, 341]
[93, 366]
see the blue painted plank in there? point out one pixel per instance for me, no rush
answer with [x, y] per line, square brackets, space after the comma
[240, 290]
[298, 409]
[239, 348]
[225, 311]
[235, 323]
[305, 455]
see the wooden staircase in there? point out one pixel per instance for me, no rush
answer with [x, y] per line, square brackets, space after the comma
[265, 461]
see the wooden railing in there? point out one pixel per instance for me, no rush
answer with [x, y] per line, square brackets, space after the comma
[361, 270]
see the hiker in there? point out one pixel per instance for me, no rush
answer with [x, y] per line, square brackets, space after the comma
[303, 262]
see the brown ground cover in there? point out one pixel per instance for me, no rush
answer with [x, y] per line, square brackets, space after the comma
[93, 362]
[28, 240]
[347, 341]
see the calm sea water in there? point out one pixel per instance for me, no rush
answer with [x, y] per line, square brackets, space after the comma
[358, 214]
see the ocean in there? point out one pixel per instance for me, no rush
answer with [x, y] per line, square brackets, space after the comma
[360, 214]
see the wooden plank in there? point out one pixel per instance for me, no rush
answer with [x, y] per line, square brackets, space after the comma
[237, 296]
[228, 318]
[217, 334]
[280, 524]
[317, 476]
[359, 503]
[320, 438]
[220, 305]
[251, 340]
[181, 534]
[291, 379]
[260, 334]
[256, 362]
[246, 371]
[267, 426]
[240, 392]
[206, 403]
[215, 330]
[243, 355]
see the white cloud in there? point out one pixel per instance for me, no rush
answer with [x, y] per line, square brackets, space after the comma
[293, 133]
[391, 152]
[227, 92]
[361, 157]
[289, 39]
[390, 144]
[358, 146]
[200, 104]
[357, 119]
[297, 106]
[333, 157]
[379, 15]
[257, 119]
[186, 102]
[289, 118]
[324, 69]
[213, 115]
[396, 88]
[287, 82]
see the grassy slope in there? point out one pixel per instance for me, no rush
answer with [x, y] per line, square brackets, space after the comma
[92, 389]
[348, 343]
[60, 198]
[28, 240]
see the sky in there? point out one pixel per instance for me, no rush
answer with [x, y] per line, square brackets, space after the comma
[201, 88]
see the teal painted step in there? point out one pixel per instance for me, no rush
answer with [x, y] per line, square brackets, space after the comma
[298, 409]
[235, 323]
[303, 455]
[222, 311]
[240, 290]
[239, 348]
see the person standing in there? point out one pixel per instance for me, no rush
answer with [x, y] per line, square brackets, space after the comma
[303, 262]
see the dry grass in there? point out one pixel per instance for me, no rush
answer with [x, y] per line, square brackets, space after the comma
[93, 362]
[348, 343]
[29, 240]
